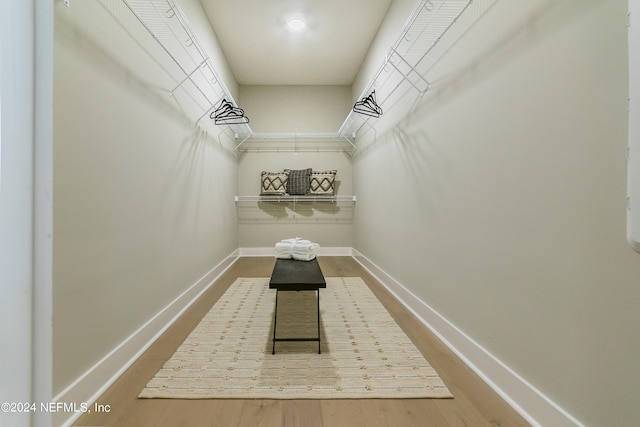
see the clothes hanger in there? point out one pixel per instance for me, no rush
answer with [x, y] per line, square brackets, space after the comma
[226, 110]
[225, 107]
[227, 114]
[368, 106]
[232, 120]
[371, 104]
[233, 116]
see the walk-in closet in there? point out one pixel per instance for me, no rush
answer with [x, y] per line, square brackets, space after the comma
[464, 173]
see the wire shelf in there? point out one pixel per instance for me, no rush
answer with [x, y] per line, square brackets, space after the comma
[401, 69]
[198, 87]
[305, 198]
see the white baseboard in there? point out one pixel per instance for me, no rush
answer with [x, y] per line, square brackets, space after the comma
[88, 387]
[270, 251]
[529, 402]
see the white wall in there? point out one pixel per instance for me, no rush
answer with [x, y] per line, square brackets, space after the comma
[295, 109]
[503, 201]
[290, 111]
[144, 201]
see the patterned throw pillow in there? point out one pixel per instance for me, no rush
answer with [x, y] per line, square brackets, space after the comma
[299, 181]
[323, 183]
[273, 183]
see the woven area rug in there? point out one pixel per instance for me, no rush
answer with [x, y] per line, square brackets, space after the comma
[365, 354]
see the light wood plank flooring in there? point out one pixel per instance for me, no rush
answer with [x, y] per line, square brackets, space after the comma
[474, 404]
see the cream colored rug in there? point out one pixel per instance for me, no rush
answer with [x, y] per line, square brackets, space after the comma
[365, 354]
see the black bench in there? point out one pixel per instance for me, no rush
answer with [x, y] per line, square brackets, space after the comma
[293, 275]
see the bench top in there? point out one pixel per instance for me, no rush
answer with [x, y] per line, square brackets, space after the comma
[294, 275]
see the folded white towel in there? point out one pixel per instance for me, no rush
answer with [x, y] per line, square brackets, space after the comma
[290, 241]
[303, 257]
[284, 256]
[296, 248]
[303, 248]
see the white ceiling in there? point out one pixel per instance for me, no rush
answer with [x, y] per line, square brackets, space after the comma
[261, 51]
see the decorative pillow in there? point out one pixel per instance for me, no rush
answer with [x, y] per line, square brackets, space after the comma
[323, 183]
[299, 181]
[273, 183]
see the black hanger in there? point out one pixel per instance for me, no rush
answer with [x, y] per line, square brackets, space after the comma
[368, 106]
[227, 114]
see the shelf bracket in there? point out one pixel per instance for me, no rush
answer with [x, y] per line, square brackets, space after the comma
[346, 138]
[242, 142]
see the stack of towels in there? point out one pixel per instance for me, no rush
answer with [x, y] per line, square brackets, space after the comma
[296, 248]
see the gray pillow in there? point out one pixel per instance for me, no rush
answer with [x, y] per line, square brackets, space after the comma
[298, 183]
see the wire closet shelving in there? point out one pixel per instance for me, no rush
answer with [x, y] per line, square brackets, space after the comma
[305, 198]
[199, 87]
[406, 65]
[199, 90]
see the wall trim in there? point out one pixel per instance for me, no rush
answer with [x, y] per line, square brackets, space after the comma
[529, 402]
[95, 381]
[270, 251]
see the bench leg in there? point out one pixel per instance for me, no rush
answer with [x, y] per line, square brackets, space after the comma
[275, 322]
[318, 299]
[275, 318]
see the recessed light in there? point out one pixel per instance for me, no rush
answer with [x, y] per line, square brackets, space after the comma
[296, 24]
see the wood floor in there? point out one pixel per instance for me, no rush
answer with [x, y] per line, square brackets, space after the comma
[474, 404]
